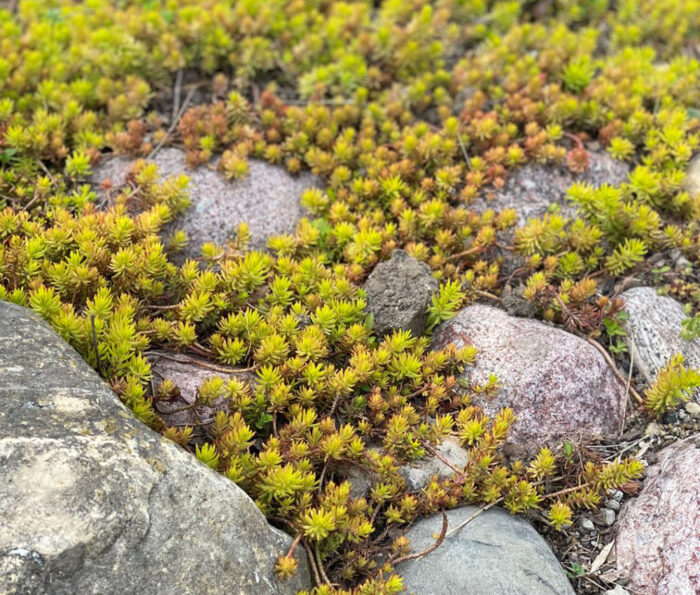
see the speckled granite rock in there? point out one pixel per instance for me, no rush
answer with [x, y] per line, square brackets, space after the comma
[557, 384]
[92, 501]
[653, 331]
[267, 199]
[495, 554]
[658, 540]
[398, 293]
[531, 189]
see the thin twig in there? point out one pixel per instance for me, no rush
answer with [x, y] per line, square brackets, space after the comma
[464, 151]
[574, 138]
[323, 475]
[201, 364]
[628, 447]
[320, 565]
[335, 403]
[432, 548]
[627, 393]
[475, 515]
[31, 202]
[613, 367]
[95, 346]
[419, 391]
[174, 123]
[312, 563]
[176, 95]
[487, 295]
[180, 410]
[565, 491]
[46, 170]
[170, 307]
[326, 102]
[474, 250]
[294, 545]
[442, 459]
[202, 348]
[201, 424]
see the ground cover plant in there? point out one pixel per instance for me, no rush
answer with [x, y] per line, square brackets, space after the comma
[409, 111]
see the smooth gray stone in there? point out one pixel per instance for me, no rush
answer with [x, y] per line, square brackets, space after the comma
[495, 554]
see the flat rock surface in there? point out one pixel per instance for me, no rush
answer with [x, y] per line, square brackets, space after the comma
[398, 293]
[654, 331]
[267, 199]
[531, 189]
[557, 384]
[495, 554]
[658, 540]
[92, 501]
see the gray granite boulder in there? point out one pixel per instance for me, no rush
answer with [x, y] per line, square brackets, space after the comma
[267, 199]
[654, 331]
[495, 554]
[533, 188]
[398, 293]
[92, 501]
[658, 540]
[557, 384]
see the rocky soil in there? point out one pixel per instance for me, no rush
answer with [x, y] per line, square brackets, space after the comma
[91, 497]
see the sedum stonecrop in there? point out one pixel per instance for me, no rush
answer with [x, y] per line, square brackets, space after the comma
[409, 112]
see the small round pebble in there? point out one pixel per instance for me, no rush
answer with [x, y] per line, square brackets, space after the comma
[653, 429]
[587, 524]
[693, 408]
[605, 517]
[612, 505]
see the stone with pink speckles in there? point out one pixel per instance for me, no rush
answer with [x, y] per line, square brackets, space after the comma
[558, 385]
[658, 540]
[267, 199]
[532, 189]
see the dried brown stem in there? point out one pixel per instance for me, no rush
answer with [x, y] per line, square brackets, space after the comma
[312, 562]
[481, 510]
[432, 548]
[175, 122]
[613, 367]
[294, 545]
[319, 562]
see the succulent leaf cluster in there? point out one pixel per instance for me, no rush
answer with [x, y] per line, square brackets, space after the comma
[410, 112]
